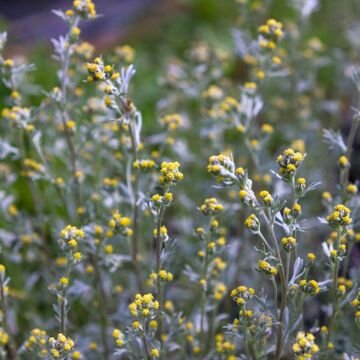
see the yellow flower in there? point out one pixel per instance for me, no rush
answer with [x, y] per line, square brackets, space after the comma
[64, 281]
[155, 353]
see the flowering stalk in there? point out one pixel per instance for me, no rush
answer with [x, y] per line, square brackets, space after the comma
[204, 282]
[335, 295]
[64, 48]
[158, 247]
[11, 352]
[169, 175]
[135, 210]
[340, 219]
[68, 242]
[104, 305]
[63, 109]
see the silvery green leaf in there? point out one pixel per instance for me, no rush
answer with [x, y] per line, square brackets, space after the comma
[323, 284]
[334, 140]
[355, 76]
[36, 141]
[322, 220]
[298, 270]
[138, 126]
[348, 297]
[173, 346]
[7, 149]
[3, 38]
[308, 7]
[276, 174]
[60, 14]
[121, 352]
[79, 289]
[191, 274]
[241, 42]
[327, 248]
[125, 76]
[280, 222]
[114, 261]
[6, 237]
[307, 224]
[312, 186]
[279, 73]
[24, 68]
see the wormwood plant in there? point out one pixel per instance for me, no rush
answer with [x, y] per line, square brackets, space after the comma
[141, 254]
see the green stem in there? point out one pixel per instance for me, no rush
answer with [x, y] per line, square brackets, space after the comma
[135, 213]
[63, 302]
[266, 243]
[64, 114]
[158, 268]
[335, 297]
[344, 178]
[11, 352]
[145, 347]
[104, 306]
[204, 276]
[273, 282]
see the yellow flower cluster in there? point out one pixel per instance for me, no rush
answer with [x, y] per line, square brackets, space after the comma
[162, 200]
[229, 104]
[84, 8]
[125, 53]
[69, 238]
[17, 115]
[211, 207]
[32, 168]
[61, 346]
[172, 121]
[85, 50]
[222, 167]
[110, 183]
[70, 233]
[266, 268]
[300, 185]
[163, 275]
[340, 216]
[37, 341]
[310, 287]
[252, 223]
[220, 291]
[155, 353]
[99, 71]
[121, 224]
[290, 215]
[144, 306]
[144, 164]
[213, 92]
[356, 304]
[344, 162]
[288, 243]
[118, 337]
[270, 34]
[163, 232]
[4, 337]
[304, 347]
[170, 173]
[225, 347]
[242, 294]
[289, 162]
[227, 110]
[352, 189]
[266, 198]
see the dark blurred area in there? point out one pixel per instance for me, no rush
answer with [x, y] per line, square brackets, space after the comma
[31, 23]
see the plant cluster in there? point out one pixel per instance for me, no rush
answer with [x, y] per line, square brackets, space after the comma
[216, 236]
